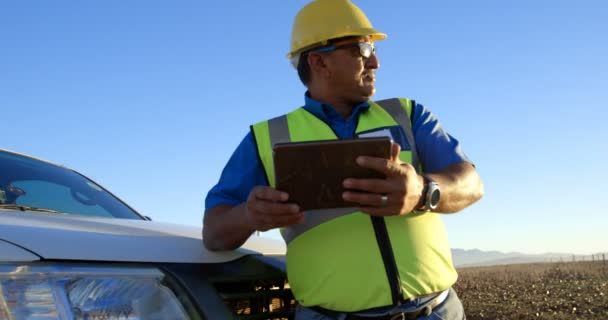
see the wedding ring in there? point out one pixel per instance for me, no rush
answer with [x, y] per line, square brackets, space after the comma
[383, 200]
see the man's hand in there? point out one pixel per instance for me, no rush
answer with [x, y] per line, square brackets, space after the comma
[399, 193]
[227, 227]
[266, 208]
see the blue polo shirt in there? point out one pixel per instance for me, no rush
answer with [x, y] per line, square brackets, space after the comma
[436, 150]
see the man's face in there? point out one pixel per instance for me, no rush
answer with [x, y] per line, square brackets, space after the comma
[351, 76]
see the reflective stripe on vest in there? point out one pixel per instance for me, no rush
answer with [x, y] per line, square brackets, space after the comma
[396, 110]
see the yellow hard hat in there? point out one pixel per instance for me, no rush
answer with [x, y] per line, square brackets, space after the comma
[323, 20]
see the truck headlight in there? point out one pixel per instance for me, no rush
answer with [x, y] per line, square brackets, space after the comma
[83, 292]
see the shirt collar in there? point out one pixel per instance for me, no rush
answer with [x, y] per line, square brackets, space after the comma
[327, 112]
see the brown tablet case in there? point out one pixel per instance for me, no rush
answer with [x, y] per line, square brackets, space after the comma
[312, 172]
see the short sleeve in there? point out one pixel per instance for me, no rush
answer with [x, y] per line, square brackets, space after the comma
[436, 148]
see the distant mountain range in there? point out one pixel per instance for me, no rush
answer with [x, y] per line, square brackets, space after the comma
[475, 257]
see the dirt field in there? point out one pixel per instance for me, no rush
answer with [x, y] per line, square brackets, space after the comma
[573, 290]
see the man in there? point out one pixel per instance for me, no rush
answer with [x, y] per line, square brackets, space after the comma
[389, 258]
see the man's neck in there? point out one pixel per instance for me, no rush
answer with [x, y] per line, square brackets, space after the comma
[344, 108]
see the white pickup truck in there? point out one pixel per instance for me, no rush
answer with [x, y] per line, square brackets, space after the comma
[69, 249]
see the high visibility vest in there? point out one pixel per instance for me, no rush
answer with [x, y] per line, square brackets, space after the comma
[346, 260]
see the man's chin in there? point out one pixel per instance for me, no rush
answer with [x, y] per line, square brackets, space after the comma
[368, 91]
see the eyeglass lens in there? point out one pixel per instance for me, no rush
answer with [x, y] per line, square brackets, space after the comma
[366, 49]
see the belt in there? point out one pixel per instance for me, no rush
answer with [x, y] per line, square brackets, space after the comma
[408, 315]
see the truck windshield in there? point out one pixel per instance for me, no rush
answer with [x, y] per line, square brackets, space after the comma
[31, 183]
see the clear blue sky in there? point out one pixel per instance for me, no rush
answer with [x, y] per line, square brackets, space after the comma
[149, 98]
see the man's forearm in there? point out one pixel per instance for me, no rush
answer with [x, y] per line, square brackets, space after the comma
[460, 187]
[226, 227]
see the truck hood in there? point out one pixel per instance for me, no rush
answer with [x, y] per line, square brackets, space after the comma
[72, 237]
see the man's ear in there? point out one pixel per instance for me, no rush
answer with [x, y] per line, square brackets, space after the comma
[318, 64]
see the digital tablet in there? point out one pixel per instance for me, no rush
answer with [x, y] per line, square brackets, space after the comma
[312, 172]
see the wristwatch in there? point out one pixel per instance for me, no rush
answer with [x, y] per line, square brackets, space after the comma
[432, 196]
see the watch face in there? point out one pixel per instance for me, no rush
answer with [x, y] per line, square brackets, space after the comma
[435, 198]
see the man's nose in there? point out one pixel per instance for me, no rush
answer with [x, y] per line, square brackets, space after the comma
[372, 62]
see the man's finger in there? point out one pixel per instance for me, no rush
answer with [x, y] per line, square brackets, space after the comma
[270, 194]
[269, 222]
[385, 166]
[367, 199]
[368, 185]
[395, 150]
[275, 208]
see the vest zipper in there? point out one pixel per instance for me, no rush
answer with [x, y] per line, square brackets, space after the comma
[388, 258]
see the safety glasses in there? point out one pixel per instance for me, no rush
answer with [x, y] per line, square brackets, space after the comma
[365, 48]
